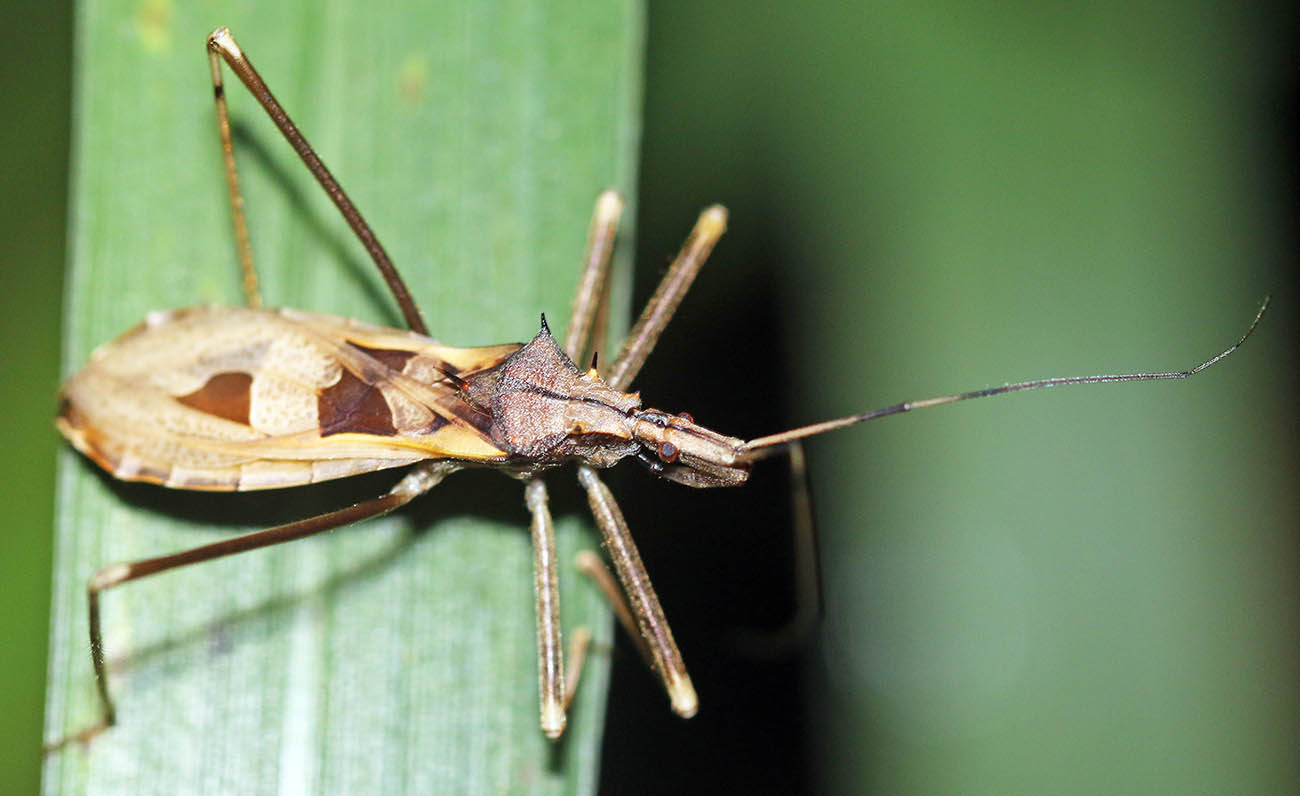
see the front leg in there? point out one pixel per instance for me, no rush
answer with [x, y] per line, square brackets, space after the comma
[550, 655]
[416, 482]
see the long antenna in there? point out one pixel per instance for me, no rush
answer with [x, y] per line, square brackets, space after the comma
[764, 446]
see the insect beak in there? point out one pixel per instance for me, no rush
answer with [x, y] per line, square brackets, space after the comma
[681, 451]
[702, 474]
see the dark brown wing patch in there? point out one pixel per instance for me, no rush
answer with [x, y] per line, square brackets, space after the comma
[224, 395]
[352, 406]
[392, 358]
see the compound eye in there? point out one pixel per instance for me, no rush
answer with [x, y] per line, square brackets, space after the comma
[668, 452]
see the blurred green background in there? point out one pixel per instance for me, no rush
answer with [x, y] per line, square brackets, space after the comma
[34, 87]
[1083, 590]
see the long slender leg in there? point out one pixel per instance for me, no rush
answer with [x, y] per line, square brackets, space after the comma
[808, 604]
[661, 306]
[588, 310]
[416, 482]
[251, 293]
[222, 45]
[636, 583]
[595, 272]
[579, 642]
[589, 564]
[550, 649]
[555, 692]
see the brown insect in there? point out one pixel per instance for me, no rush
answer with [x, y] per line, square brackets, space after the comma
[242, 399]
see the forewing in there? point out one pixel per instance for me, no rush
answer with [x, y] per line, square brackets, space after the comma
[238, 399]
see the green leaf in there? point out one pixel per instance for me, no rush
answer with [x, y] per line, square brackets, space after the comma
[399, 655]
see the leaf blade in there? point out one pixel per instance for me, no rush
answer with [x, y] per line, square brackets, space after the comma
[370, 656]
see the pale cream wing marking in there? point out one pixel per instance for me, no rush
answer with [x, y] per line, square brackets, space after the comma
[124, 411]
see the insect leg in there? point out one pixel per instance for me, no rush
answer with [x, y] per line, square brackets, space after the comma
[232, 185]
[641, 340]
[579, 641]
[591, 294]
[222, 45]
[416, 482]
[650, 618]
[808, 602]
[550, 652]
[589, 564]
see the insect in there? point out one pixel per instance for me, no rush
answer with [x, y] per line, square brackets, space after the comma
[249, 398]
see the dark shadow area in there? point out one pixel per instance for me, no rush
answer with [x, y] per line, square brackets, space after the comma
[721, 559]
[1281, 121]
[477, 493]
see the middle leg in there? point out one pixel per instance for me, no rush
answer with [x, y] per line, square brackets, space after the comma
[651, 622]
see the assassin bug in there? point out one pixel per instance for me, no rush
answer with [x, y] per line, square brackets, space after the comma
[246, 399]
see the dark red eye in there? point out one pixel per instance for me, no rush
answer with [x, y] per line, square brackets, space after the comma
[668, 452]
[686, 416]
